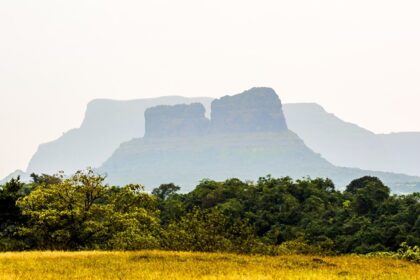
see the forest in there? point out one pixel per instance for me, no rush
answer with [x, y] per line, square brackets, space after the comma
[271, 216]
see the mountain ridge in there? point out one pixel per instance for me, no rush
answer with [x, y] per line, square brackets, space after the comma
[347, 144]
[122, 117]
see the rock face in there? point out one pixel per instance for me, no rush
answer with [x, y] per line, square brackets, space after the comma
[176, 121]
[255, 110]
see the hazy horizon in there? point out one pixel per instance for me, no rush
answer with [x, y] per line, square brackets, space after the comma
[359, 59]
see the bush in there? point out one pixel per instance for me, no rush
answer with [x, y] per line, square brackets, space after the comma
[406, 252]
[410, 253]
[299, 246]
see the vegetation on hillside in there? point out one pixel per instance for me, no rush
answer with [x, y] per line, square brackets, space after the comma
[273, 216]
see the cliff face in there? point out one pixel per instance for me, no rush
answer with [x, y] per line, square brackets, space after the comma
[255, 110]
[177, 120]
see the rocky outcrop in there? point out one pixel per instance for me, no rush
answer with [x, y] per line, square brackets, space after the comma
[255, 110]
[178, 120]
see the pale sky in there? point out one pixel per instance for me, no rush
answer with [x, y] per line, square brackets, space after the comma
[359, 59]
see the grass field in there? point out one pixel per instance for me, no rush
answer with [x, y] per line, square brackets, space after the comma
[172, 265]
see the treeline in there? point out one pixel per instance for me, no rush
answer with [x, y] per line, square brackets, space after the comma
[270, 216]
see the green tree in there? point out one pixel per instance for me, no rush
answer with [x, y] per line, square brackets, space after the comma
[81, 212]
[369, 193]
[11, 216]
[165, 190]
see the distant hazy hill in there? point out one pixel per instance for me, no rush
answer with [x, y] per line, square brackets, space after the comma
[24, 177]
[247, 137]
[346, 144]
[106, 125]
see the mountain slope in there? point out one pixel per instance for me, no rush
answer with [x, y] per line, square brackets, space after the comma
[346, 144]
[185, 161]
[24, 177]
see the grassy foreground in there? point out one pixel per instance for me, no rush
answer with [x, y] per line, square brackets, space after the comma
[174, 265]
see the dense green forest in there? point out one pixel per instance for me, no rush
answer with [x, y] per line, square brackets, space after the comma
[270, 216]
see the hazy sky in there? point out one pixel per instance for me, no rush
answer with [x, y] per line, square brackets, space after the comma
[360, 59]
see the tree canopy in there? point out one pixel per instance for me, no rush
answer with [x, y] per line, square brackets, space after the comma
[270, 216]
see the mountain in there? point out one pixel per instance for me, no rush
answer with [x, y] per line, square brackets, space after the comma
[24, 177]
[346, 144]
[246, 137]
[106, 125]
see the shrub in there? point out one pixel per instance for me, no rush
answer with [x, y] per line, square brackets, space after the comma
[410, 253]
[298, 246]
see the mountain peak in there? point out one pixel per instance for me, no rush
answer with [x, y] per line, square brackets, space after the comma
[254, 110]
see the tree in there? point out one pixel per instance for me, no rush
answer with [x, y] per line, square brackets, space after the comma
[209, 230]
[46, 179]
[81, 212]
[10, 214]
[165, 190]
[369, 193]
[169, 202]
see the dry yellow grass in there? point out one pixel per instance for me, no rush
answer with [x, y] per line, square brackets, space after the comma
[173, 265]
